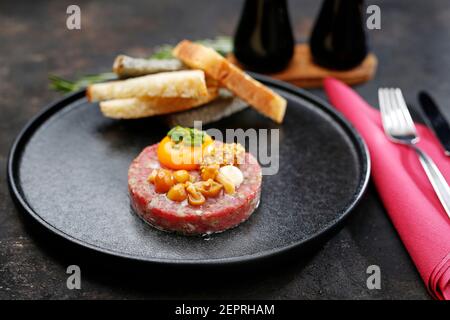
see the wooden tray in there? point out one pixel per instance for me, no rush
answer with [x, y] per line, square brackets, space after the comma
[302, 71]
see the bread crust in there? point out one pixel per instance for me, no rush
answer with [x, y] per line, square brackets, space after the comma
[176, 84]
[241, 84]
[135, 108]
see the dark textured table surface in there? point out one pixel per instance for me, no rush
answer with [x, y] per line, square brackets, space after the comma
[412, 47]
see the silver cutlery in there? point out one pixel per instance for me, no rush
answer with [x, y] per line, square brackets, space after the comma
[435, 120]
[399, 127]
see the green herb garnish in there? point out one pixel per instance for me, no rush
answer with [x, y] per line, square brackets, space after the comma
[63, 85]
[222, 44]
[187, 136]
[162, 52]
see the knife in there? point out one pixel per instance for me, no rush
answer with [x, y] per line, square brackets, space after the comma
[436, 120]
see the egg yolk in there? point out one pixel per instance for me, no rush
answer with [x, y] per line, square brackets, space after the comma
[180, 156]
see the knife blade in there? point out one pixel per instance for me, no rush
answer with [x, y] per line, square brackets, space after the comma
[436, 120]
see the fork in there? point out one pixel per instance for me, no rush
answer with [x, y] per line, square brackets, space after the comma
[399, 127]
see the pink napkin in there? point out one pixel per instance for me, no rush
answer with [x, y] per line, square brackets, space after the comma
[408, 196]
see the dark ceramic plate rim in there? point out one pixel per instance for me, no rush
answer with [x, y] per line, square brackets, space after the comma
[29, 129]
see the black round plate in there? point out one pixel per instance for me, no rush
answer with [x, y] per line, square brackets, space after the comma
[68, 170]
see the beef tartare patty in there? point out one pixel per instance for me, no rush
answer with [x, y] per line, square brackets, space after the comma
[215, 215]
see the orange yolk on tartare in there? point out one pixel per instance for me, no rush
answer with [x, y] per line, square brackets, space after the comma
[178, 155]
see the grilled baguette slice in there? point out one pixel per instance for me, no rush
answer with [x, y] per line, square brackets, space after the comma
[176, 84]
[242, 85]
[134, 108]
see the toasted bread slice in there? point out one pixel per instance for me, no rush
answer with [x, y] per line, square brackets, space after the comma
[176, 84]
[134, 108]
[242, 85]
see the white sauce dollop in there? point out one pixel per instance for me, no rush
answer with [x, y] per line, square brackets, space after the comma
[234, 174]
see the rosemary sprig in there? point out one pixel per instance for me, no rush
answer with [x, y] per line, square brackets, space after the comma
[221, 44]
[63, 85]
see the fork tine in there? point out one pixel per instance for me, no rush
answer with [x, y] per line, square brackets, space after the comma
[400, 125]
[394, 113]
[385, 118]
[408, 121]
[391, 111]
[389, 118]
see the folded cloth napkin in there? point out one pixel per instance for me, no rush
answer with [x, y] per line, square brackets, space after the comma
[408, 196]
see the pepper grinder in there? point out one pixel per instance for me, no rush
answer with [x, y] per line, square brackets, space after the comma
[338, 40]
[264, 41]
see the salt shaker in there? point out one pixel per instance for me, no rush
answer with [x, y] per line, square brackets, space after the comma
[264, 41]
[338, 40]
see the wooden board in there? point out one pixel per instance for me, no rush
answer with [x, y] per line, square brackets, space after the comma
[302, 71]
